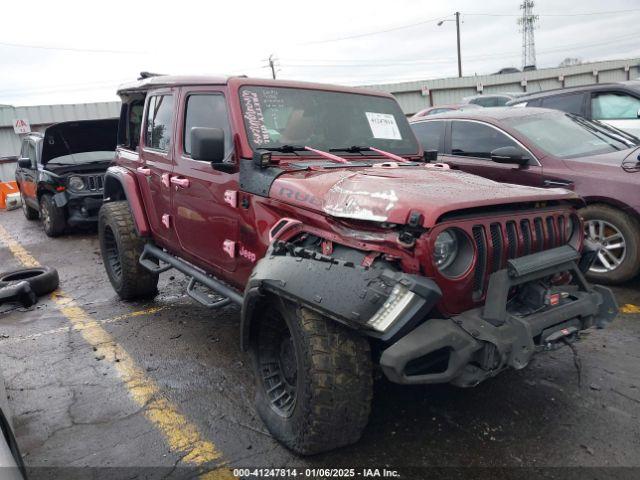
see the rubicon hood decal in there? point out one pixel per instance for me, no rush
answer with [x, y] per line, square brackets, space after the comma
[388, 195]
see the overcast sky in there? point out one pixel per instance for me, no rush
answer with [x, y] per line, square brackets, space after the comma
[88, 48]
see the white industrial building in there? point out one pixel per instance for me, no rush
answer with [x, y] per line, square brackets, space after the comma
[36, 118]
[414, 96]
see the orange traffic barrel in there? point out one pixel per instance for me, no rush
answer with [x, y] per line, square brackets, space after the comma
[7, 188]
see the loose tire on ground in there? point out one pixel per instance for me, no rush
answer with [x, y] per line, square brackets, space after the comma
[313, 379]
[29, 213]
[53, 217]
[629, 227]
[42, 280]
[121, 249]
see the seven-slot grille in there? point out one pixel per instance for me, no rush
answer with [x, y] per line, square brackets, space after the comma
[497, 242]
[93, 183]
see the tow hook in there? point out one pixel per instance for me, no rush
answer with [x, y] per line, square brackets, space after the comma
[561, 337]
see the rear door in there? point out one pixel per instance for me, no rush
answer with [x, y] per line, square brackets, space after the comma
[617, 108]
[575, 103]
[204, 199]
[469, 147]
[156, 162]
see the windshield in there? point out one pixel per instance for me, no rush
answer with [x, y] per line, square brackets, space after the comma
[324, 120]
[569, 136]
[83, 157]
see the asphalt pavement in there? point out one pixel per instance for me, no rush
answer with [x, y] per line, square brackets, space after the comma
[161, 389]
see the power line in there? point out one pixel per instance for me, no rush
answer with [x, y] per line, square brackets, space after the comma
[581, 14]
[377, 32]
[408, 62]
[69, 49]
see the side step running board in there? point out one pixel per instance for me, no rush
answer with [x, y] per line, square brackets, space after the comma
[152, 252]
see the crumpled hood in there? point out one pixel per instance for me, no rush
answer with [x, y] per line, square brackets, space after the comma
[385, 194]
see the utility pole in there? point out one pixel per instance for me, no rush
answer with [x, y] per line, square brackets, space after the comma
[458, 35]
[272, 65]
[527, 24]
[457, 14]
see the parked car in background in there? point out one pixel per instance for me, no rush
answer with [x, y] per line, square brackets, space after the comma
[426, 112]
[492, 99]
[616, 104]
[502, 71]
[547, 148]
[60, 173]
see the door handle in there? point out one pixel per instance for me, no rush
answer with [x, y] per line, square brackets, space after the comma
[144, 171]
[560, 184]
[180, 182]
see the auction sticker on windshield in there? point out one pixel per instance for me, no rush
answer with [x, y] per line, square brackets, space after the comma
[383, 125]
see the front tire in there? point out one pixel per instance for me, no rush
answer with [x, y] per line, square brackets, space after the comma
[121, 249]
[53, 218]
[313, 379]
[619, 235]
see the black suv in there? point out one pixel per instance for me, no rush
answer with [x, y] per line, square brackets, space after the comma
[60, 173]
[616, 104]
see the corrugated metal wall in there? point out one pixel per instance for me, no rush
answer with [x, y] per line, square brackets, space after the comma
[42, 116]
[453, 90]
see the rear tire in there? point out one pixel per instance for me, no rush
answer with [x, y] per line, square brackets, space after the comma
[53, 217]
[121, 249]
[620, 235]
[29, 213]
[313, 379]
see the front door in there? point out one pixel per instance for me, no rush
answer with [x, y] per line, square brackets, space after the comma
[205, 199]
[470, 150]
[27, 176]
[156, 163]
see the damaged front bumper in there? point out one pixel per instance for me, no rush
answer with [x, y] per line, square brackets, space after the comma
[82, 208]
[506, 332]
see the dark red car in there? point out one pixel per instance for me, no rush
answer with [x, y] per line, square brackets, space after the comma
[548, 148]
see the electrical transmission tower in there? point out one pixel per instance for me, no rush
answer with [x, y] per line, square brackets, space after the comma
[527, 24]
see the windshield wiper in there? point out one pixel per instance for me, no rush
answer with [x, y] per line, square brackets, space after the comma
[358, 149]
[285, 149]
[352, 149]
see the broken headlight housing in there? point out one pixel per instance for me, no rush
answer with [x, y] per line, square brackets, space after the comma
[76, 183]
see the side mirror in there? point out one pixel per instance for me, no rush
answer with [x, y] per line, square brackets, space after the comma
[430, 156]
[207, 144]
[509, 155]
[24, 162]
[638, 113]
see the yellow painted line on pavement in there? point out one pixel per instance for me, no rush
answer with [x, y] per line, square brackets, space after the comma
[55, 331]
[630, 308]
[181, 435]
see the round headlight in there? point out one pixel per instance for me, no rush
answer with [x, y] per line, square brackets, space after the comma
[76, 183]
[445, 249]
[453, 252]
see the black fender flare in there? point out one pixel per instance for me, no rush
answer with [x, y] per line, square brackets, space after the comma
[119, 179]
[340, 290]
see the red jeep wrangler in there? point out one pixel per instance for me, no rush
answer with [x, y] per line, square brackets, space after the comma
[312, 208]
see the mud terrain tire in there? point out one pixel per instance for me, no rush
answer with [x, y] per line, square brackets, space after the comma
[325, 394]
[53, 217]
[121, 249]
[42, 280]
[629, 228]
[29, 213]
